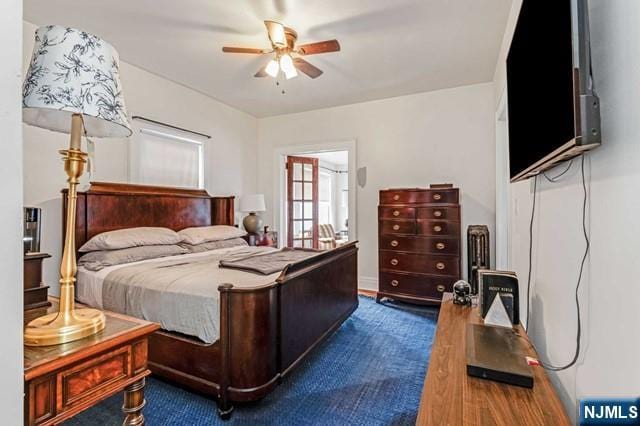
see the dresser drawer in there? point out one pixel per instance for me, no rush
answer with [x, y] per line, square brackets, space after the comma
[415, 285]
[450, 213]
[405, 226]
[438, 227]
[397, 212]
[419, 196]
[434, 245]
[420, 263]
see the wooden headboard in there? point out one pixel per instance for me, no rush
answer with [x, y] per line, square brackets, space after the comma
[110, 206]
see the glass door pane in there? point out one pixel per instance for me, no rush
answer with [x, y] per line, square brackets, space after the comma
[302, 200]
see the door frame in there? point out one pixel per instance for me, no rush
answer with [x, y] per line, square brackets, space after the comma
[280, 154]
[503, 193]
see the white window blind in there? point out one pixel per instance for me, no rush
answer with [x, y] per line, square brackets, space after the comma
[167, 158]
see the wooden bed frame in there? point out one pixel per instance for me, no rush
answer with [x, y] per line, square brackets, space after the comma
[264, 332]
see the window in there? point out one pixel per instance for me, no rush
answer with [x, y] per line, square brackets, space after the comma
[166, 157]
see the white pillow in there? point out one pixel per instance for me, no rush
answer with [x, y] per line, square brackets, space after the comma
[131, 237]
[204, 234]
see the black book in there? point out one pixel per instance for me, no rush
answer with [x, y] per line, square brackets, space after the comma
[504, 284]
[497, 353]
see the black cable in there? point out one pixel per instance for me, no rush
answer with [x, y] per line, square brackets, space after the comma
[558, 176]
[533, 213]
[577, 292]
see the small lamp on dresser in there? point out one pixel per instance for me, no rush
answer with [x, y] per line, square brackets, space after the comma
[72, 86]
[252, 204]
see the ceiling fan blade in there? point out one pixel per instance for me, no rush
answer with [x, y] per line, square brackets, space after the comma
[276, 33]
[245, 50]
[262, 72]
[305, 67]
[319, 47]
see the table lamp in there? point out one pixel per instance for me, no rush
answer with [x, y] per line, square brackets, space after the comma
[72, 86]
[251, 204]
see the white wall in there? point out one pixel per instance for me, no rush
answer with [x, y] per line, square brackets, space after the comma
[11, 213]
[608, 366]
[230, 165]
[409, 141]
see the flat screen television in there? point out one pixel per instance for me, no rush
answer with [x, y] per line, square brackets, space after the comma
[553, 113]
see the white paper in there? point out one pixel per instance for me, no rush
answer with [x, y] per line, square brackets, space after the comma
[497, 314]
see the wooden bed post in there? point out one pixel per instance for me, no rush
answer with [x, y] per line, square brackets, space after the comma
[224, 405]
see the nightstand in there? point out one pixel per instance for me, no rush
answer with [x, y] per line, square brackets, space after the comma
[257, 239]
[62, 380]
[35, 291]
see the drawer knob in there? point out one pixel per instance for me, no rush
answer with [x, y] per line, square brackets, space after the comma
[396, 213]
[394, 243]
[440, 266]
[440, 288]
[440, 246]
[437, 197]
[437, 213]
[396, 197]
[396, 227]
[437, 228]
[394, 262]
[394, 283]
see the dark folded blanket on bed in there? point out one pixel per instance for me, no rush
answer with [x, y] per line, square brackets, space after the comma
[268, 263]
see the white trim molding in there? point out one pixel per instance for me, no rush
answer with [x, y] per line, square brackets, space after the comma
[368, 283]
[502, 260]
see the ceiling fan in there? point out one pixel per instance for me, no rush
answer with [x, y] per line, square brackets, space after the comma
[287, 54]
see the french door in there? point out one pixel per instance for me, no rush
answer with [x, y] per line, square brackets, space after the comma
[302, 202]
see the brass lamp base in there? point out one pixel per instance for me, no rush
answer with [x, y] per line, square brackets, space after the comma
[68, 324]
[54, 329]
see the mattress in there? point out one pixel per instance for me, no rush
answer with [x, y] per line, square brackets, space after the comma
[186, 301]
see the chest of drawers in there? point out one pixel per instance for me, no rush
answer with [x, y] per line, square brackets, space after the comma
[419, 247]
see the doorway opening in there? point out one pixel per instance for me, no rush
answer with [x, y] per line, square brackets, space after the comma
[316, 198]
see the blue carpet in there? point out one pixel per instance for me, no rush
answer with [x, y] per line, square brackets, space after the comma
[370, 372]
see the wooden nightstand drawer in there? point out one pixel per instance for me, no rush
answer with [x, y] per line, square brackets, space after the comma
[86, 379]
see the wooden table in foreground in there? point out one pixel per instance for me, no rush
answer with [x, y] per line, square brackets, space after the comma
[61, 381]
[450, 397]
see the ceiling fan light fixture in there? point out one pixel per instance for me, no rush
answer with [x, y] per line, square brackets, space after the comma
[272, 68]
[291, 74]
[276, 33]
[286, 64]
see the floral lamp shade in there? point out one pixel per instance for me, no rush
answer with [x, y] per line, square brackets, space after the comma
[74, 72]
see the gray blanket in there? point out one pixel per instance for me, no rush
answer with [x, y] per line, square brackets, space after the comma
[267, 263]
[180, 293]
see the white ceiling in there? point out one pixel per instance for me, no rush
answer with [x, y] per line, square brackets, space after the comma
[389, 48]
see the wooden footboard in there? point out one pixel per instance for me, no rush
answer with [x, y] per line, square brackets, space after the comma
[266, 332]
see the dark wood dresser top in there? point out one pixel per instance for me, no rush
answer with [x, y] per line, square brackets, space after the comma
[118, 329]
[450, 397]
